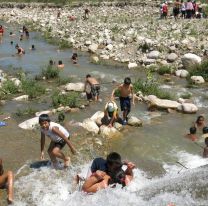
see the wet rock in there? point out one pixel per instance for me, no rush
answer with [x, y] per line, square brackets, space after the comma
[95, 59]
[21, 98]
[30, 123]
[187, 108]
[118, 126]
[153, 55]
[132, 65]
[182, 73]
[90, 126]
[197, 79]
[109, 132]
[37, 114]
[78, 87]
[97, 116]
[134, 121]
[93, 48]
[190, 59]
[172, 57]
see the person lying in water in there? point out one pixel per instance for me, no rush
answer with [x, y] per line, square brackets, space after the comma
[6, 181]
[192, 135]
[108, 172]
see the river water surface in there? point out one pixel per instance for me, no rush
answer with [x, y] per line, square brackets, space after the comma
[155, 147]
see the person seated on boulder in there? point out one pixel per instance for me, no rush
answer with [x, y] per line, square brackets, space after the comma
[200, 122]
[110, 114]
[6, 181]
[108, 172]
[20, 50]
[205, 152]
[60, 64]
[192, 135]
[74, 58]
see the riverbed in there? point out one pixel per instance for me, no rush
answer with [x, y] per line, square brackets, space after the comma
[155, 147]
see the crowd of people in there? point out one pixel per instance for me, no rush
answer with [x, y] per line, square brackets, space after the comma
[184, 9]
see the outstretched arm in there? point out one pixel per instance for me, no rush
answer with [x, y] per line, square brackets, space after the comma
[132, 93]
[42, 145]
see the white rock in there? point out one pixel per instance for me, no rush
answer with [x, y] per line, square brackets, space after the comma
[188, 108]
[109, 47]
[153, 55]
[197, 79]
[78, 87]
[109, 132]
[182, 73]
[95, 59]
[134, 121]
[87, 43]
[118, 126]
[97, 115]
[22, 98]
[93, 48]
[132, 65]
[190, 59]
[90, 126]
[16, 81]
[37, 114]
[172, 57]
[30, 123]
[104, 56]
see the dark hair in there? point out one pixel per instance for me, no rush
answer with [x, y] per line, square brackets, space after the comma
[88, 75]
[10, 33]
[192, 130]
[43, 118]
[19, 50]
[60, 62]
[114, 159]
[74, 55]
[11, 42]
[16, 46]
[33, 46]
[127, 80]
[198, 118]
[51, 62]
[205, 130]
[206, 140]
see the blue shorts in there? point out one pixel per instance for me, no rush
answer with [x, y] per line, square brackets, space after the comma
[125, 103]
[99, 164]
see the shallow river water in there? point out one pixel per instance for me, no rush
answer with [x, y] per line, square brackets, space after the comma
[155, 148]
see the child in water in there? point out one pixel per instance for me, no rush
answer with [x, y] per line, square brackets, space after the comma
[200, 122]
[60, 65]
[6, 181]
[205, 153]
[59, 137]
[74, 58]
[192, 135]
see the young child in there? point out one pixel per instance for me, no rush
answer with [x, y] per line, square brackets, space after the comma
[74, 58]
[125, 90]
[60, 65]
[6, 180]
[107, 172]
[59, 137]
[192, 135]
[205, 153]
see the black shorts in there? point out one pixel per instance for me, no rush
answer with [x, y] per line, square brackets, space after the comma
[176, 11]
[60, 144]
[95, 90]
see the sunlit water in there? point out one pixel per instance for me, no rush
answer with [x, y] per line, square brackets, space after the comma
[155, 148]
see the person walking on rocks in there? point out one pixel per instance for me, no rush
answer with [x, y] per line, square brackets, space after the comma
[125, 89]
[95, 86]
[59, 138]
[6, 181]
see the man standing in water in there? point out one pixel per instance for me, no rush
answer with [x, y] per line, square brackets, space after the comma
[125, 89]
[6, 181]
[95, 86]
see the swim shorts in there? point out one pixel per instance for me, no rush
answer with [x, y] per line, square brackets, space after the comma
[95, 89]
[125, 103]
[61, 143]
[98, 164]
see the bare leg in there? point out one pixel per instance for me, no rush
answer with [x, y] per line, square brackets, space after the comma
[51, 155]
[128, 179]
[58, 153]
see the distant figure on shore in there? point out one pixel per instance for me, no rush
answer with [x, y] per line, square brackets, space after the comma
[189, 9]
[164, 10]
[125, 89]
[60, 64]
[183, 9]
[95, 87]
[192, 135]
[205, 152]
[200, 122]
[74, 58]
[86, 13]
[33, 48]
[1, 33]
[58, 14]
[6, 181]
[20, 50]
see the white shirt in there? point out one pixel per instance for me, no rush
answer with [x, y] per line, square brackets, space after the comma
[54, 137]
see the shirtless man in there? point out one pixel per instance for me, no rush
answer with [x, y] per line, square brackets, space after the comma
[6, 180]
[125, 90]
[95, 86]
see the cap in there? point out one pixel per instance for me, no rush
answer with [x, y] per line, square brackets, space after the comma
[111, 107]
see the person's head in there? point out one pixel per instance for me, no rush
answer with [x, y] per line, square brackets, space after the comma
[11, 42]
[60, 62]
[10, 33]
[19, 50]
[114, 162]
[110, 107]
[200, 119]
[206, 141]
[205, 130]
[75, 54]
[88, 76]
[127, 81]
[192, 130]
[16, 46]
[50, 62]
[33, 46]
[44, 121]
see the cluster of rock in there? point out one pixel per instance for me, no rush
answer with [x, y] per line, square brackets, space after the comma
[130, 34]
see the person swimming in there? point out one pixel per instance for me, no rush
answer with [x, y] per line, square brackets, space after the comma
[200, 122]
[60, 64]
[192, 135]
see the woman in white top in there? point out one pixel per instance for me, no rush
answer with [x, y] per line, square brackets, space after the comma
[59, 137]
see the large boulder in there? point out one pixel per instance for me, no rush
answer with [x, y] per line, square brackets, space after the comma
[182, 73]
[90, 126]
[93, 48]
[153, 55]
[134, 121]
[187, 108]
[97, 117]
[162, 103]
[190, 59]
[197, 79]
[78, 87]
[109, 132]
[30, 123]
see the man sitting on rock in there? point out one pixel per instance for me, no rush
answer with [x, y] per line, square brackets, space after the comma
[110, 114]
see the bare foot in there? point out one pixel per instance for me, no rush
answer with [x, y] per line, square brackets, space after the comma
[67, 162]
[9, 201]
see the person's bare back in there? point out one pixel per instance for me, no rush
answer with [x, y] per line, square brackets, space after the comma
[92, 81]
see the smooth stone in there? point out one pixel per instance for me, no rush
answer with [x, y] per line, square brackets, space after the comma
[153, 55]
[30, 123]
[93, 48]
[181, 73]
[197, 79]
[90, 126]
[78, 87]
[109, 132]
[134, 121]
[21, 98]
[172, 57]
[132, 65]
[189, 59]
[187, 108]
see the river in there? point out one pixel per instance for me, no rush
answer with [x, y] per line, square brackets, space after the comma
[155, 147]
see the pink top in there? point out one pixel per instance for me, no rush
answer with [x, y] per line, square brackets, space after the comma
[189, 6]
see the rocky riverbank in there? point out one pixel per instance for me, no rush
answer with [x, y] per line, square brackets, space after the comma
[130, 34]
